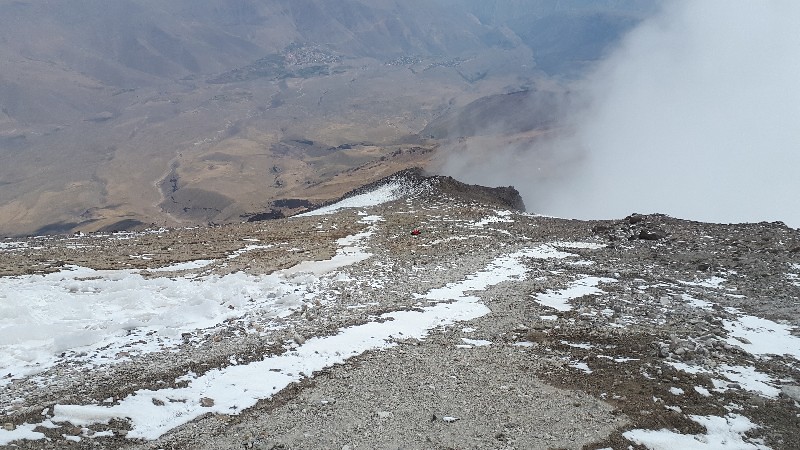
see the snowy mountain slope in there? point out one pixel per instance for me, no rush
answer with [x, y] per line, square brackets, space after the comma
[492, 328]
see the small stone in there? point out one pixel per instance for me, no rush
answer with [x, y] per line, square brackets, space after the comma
[206, 402]
[158, 402]
[8, 426]
[300, 340]
[680, 351]
[385, 414]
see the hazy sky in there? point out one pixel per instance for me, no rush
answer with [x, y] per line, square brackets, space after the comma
[696, 114]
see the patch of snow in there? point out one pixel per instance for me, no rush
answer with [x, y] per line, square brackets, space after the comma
[501, 217]
[765, 336]
[380, 195]
[582, 366]
[476, 342]
[697, 303]
[713, 282]
[582, 345]
[559, 300]
[619, 360]
[587, 245]
[676, 391]
[751, 380]
[246, 249]
[722, 433]
[24, 431]
[189, 265]
[581, 263]
[545, 251]
[687, 368]
[747, 377]
[349, 253]
[702, 391]
[502, 269]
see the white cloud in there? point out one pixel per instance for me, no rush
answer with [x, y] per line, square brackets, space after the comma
[696, 114]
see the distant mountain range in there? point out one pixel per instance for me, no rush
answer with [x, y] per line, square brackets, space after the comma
[136, 112]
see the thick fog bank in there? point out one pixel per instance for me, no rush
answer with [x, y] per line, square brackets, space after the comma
[695, 114]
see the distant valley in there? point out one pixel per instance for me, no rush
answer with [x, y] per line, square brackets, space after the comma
[140, 113]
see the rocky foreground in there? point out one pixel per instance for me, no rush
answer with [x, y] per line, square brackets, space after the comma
[561, 334]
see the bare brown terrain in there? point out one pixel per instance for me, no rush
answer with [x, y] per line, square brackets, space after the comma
[139, 112]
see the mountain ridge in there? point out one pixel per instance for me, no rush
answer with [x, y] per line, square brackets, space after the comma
[490, 327]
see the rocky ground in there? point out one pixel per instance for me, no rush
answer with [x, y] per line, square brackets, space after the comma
[610, 328]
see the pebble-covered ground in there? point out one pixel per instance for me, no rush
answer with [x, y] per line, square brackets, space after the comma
[564, 334]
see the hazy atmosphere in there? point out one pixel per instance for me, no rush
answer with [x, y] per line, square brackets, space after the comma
[694, 114]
